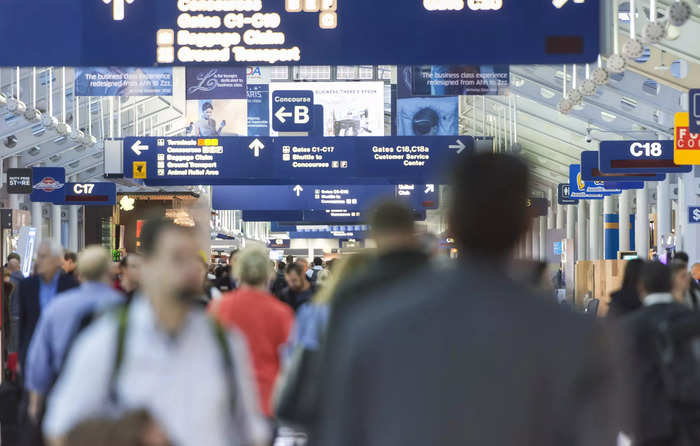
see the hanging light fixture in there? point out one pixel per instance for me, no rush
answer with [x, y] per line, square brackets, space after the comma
[633, 48]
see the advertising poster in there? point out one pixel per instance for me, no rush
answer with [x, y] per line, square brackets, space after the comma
[452, 80]
[113, 81]
[222, 117]
[216, 83]
[428, 116]
[258, 110]
[349, 108]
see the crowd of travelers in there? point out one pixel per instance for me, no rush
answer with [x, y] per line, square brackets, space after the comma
[392, 346]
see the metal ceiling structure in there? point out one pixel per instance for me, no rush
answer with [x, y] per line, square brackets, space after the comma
[641, 102]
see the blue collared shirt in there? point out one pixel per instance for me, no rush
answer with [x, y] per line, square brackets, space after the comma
[57, 327]
[47, 291]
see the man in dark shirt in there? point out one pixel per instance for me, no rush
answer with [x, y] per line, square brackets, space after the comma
[464, 355]
[299, 290]
[70, 263]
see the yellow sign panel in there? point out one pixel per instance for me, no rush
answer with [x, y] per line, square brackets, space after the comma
[686, 145]
[140, 170]
[208, 142]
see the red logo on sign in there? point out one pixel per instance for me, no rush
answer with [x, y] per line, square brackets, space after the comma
[48, 184]
[686, 140]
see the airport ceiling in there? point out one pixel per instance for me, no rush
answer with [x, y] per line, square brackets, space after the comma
[640, 103]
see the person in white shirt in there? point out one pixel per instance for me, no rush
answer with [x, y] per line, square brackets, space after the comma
[162, 354]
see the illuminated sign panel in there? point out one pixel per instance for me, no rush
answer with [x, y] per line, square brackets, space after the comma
[181, 161]
[295, 32]
[638, 156]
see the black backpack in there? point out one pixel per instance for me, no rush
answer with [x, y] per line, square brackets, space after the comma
[677, 340]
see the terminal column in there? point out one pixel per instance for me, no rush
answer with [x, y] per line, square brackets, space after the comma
[581, 242]
[560, 217]
[56, 222]
[73, 228]
[612, 228]
[641, 227]
[681, 213]
[544, 223]
[626, 235]
[663, 213]
[570, 221]
[528, 245]
[13, 163]
[691, 231]
[550, 211]
[595, 231]
[535, 239]
[37, 219]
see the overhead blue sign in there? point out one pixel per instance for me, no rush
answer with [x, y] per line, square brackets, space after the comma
[591, 172]
[180, 161]
[113, 81]
[623, 185]
[279, 243]
[638, 157]
[296, 32]
[335, 216]
[329, 235]
[298, 197]
[292, 111]
[694, 214]
[564, 195]
[694, 110]
[48, 184]
[582, 190]
[90, 194]
[279, 227]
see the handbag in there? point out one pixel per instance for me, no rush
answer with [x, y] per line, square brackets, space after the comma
[296, 393]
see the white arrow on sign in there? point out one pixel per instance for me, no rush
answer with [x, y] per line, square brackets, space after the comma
[559, 3]
[460, 146]
[429, 188]
[281, 115]
[137, 147]
[298, 189]
[256, 146]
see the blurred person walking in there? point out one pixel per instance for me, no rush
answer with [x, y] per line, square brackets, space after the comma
[659, 344]
[312, 273]
[299, 289]
[37, 291]
[149, 355]
[130, 275]
[430, 359]
[279, 283]
[62, 320]
[14, 268]
[70, 263]
[261, 317]
[626, 300]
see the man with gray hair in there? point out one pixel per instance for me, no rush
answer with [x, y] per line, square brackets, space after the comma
[37, 291]
[63, 319]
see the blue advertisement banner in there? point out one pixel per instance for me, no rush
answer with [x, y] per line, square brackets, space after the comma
[292, 32]
[114, 81]
[298, 197]
[427, 116]
[279, 243]
[452, 80]
[258, 110]
[639, 156]
[591, 172]
[90, 194]
[48, 184]
[216, 83]
[279, 227]
[293, 160]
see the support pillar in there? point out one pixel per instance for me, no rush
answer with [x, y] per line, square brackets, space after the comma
[612, 228]
[13, 163]
[663, 213]
[73, 228]
[535, 239]
[543, 237]
[641, 227]
[626, 235]
[595, 231]
[581, 244]
[56, 222]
